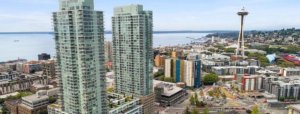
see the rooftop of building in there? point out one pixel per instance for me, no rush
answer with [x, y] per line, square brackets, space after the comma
[295, 107]
[169, 88]
[7, 95]
[13, 102]
[282, 81]
[36, 97]
[132, 9]
[265, 71]
[214, 56]
[223, 67]
[292, 69]
[55, 106]
[118, 100]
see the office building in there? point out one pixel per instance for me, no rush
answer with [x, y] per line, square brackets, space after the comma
[197, 73]
[48, 68]
[177, 71]
[159, 60]
[169, 68]
[32, 67]
[174, 54]
[168, 94]
[132, 53]
[189, 73]
[79, 37]
[44, 56]
[34, 104]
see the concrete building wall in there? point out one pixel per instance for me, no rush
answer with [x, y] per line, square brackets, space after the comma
[189, 73]
[168, 67]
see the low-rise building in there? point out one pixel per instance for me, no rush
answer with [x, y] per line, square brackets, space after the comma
[12, 106]
[231, 70]
[34, 104]
[48, 68]
[117, 103]
[8, 76]
[22, 82]
[32, 66]
[294, 109]
[120, 104]
[159, 60]
[249, 83]
[291, 72]
[284, 88]
[168, 94]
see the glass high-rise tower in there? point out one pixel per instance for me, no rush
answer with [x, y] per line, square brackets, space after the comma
[79, 37]
[132, 53]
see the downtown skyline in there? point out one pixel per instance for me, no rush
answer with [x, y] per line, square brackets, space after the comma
[35, 16]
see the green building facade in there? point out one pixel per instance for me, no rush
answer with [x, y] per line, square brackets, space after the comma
[79, 37]
[132, 50]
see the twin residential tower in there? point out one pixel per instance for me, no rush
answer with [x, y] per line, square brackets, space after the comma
[132, 53]
[79, 37]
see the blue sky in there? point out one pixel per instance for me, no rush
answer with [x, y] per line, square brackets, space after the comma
[35, 15]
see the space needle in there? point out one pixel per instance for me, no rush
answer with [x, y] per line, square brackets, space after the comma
[240, 51]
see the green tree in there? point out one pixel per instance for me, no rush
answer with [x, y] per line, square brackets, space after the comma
[255, 110]
[43, 112]
[196, 96]
[195, 111]
[210, 79]
[206, 111]
[4, 110]
[212, 50]
[187, 110]
[260, 57]
[169, 79]
[281, 98]
[229, 50]
[110, 89]
[52, 99]
[158, 74]
[192, 100]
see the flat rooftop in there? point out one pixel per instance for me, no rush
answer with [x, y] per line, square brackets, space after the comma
[169, 88]
[35, 97]
[295, 107]
[7, 95]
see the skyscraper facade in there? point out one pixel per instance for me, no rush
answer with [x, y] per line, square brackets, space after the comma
[197, 73]
[79, 37]
[132, 53]
[108, 51]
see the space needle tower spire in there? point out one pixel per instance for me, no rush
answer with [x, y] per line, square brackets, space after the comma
[240, 51]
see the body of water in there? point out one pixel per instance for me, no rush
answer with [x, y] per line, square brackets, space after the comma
[28, 46]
